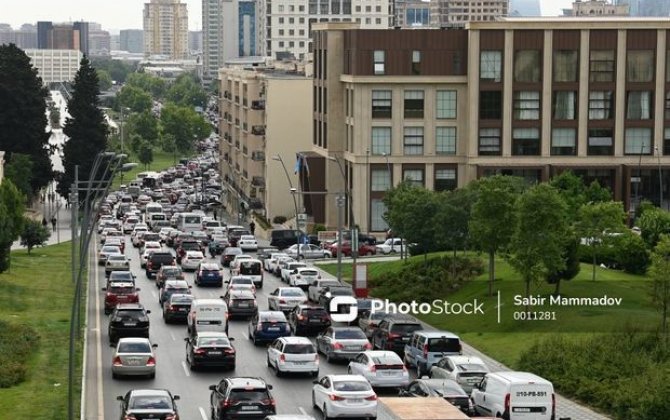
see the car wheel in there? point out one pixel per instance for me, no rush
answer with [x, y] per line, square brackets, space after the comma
[115, 375]
[325, 413]
[314, 401]
[278, 372]
[315, 374]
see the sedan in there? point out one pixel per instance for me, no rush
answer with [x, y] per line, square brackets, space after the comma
[443, 388]
[117, 263]
[192, 260]
[342, 342]
[210, 349]
[344, 396]
[294, 355]
[248, 243]
[286, 298]
[303, 277]
[308, 251]
[241, 303]
[177, 307]
[149, 404]
[468, 371]
[209, 274]
[106, 251]
[229, 254]
[134, 356]
[382, 368]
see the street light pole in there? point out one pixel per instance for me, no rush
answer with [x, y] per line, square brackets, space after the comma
[340, 201]
[660, 179]
[295, 203]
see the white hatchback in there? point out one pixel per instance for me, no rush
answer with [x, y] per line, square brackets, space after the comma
[293, 355]
[248, 243]
[344, 396]
[382, 368]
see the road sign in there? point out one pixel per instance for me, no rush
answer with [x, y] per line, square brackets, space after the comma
[302, 224]
[354, 240]
[361, 280]
[327, 235]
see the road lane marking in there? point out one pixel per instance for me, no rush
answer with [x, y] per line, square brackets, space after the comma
[173, 337]
[183, 364]
[203, 413]
[153, 292]
[302, 411]
[98, 339]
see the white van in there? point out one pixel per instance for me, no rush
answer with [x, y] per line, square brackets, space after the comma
[208, 315]
[152, 208]
[253, 269]
[515, 396]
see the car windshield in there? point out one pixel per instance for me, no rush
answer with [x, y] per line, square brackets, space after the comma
[444, 345]
[131, 314]
[405, 328]
[350, 334]
[308, 272]
[117, 258]
[181, 299]
[171, 272]
[352, 386]
[299, 349]
[292, 293]
[157, 402]
[387, 359]
[134, 348]
[471, 367]
[213, 341]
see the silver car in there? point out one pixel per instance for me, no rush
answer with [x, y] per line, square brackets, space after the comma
[286, 298]
[308, 251]
[134, 356]
[342, 343]
[117, 262]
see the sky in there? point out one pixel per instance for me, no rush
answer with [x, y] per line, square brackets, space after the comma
[127, 14]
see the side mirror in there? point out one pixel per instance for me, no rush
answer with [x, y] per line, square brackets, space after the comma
[269, 387]
[175, 397]
[186, 339]
[212, 387]
[148, 312]
[137, 289]
[222, 297]
[231, 339]
[119, 397]
[315, 382]
[154, 346]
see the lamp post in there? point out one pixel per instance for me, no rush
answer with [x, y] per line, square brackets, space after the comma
[352, 224]
[660, 179]
[295, 203]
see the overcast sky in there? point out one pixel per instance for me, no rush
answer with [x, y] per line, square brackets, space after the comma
[127, 14]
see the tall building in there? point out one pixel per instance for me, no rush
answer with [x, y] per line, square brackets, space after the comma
[132, 40]
[114, 42]
[456, 13]
[593, 8]
[55, 65]
[99, 42]
[524, 8]
[195, 41]
[63, 36]
[166, 29]
[412, 14]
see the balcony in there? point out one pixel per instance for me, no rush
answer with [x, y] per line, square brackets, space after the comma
[245, 174]
[237, 144]
[258, 130]
[258, 181]
[245, 150]
[258, 155]
[258, 105]
[244, 101]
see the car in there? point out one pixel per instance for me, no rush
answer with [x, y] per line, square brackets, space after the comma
[176, 308]
[364, 249]
[514, 395]
[229, 254]
[392, 245]
[149, 237]
[293, 355]
[168, 272]
[164, 233]
[119, 292]
[425, 348]
[187, 246]
[248, 243]
[467, 371]
[200, 237]
[128, 320]
[171, 287]
[129, 224]
[369, 321]
[394, 332]
[138, 230]
[120, 277]
[134, 356]
[241, 283]
[146, 250]
[338, 396]
[114, 241]
[241, 303]
[286, 298]
[266, 326]
[269, 263]
[442, 388]
[108, 233]
[191, 261]
[314, 289]
[329, 292]
[149, 404]
[302, 277]
[308, 251]
[235, 263]
[342, 343]
[235, 233]
[241, 398]
[382, 368]
[217, 244]
[288, 268]
[209, 274]
[305, 319]
[116, 262]
[265, 252]
[156, 260]
[106, 251]
[251, 267]
[283, 238]
[210, 349]
[207, 315]
[281, 263]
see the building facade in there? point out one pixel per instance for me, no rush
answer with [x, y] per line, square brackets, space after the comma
[412, 14]
[55, 65]
[592, 8]
[456, 13]
[24, 38]
[99, 42]
[132, 40]
[166, 29]
[63, 36]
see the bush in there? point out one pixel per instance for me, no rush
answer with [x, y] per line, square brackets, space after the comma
[265, 223]
[624, 252]
[278, 220]
[17, 343]
[318, 228]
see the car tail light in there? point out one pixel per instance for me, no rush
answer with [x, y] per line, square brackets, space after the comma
[425, 351]
[117, 361]
[227, 403]
[371, 398]
[335, 397]
[268, 401]
[338, 346]
[282, 358]
[507, 402]
[373, 368]
[130, 417]
[392, 336]
[259, 327]
[172, 417]
[199, 351]
[151, 361]
[229, 351]
[282, 301]
[301, 317]
[368, 346]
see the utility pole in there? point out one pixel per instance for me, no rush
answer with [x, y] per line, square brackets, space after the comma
[340, 201]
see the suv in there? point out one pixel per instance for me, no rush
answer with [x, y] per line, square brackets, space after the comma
[425, 348]
[157, 260]
[117, 293]
[186, 246]
[394, 332]
[306, 318]
[169, 272]
[283, 238]
[128, 320]
[241, 398]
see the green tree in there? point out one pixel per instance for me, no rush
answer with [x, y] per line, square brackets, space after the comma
[86, 128]
[630, 252]
[185, 125]
[595, 221]
[187, 91]
[539, 237]
[450, 222]
[34, 234]
[595, 193]
[18, 170]
[145, 125]
[653, 223]
[576, 193]
[134, 98]
[104, 79]
[572, 264]
[145, 153]
[135, 141]
[23, 118]
[153, 85]
[660, 267]
[117, 69]
[11, 220]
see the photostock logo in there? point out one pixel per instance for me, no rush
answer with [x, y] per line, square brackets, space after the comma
[343, 301]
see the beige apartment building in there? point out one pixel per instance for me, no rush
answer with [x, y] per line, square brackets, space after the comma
[166, 29]
[593, 8]
[265, 115]
[456, 13]
[525, 97]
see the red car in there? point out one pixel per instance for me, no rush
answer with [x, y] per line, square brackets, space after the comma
[363, 249]
[119, 293]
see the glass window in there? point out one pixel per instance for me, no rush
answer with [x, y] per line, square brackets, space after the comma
[601, 105]
[601, 142]
[490, 105]
[640, 66]
[566, 65]
[667, 105]
[380, 179]
[527, 66]
[377, 211]
[381, 140]
[489, 141]
[527, 105]
[413, 141]
[563, 142]
[637, 141]
[446, 104]
[445, 179]
[490, 66]
[416, 62]
[565, 103]
[379, 60]
[445, 140]
[526, 142]
[667, 66]
[413, 104]
[414, 176]
[381, 103]
[638, 106]
[666, 141]
[601, 66]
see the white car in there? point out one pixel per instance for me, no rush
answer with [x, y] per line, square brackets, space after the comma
[108, 233]
[303, 277]
[241, 282]
[149, 247]
[467, 371]
[164, 233]
[382, 368]
[129, 224]
[286, 298]
[282, 262]
[235, 263]
[117, 263]
[314, 289]
[135, 236]
[191, 261]
[269, 263]
[294, 355]
[344, 396]
[248, 243]
[288, 268]
[392, 245]
[134, 356]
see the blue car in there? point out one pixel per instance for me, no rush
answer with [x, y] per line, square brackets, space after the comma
[266, 326]
[209, 274]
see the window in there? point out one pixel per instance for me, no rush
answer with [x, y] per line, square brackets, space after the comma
[377, 211]
[291, 32]
[445, 140]
[489, 142]
[600, 142]
[566, 65]
[381, 140]
[446, 104]
[281, 20]
[563, 142]
[565, 103]
[602, 66]
[414, 176]
[379, 60]
[637, 141]
[638, 105]
[527, 105]
[380, 180]
[291, 20]
[381, 103]
[490, 105]
[601, 105]
[281, 32]
[413, 141]
[280, 8]
[445, 179]
[526, 142]
[666, 141]
[490, 66]
[527, 66]
[281, 44]
[667, 105]
[413, 104]
[640, 66]
[416, 62]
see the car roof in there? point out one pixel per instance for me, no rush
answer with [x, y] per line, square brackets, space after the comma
[176, 283]
[210, 266]
[440, 383]
[295, 340]
[459, 360]
[147, 392]
[211, 334]
[134, 340]
[239, 382]
[520, 377]
[194, 253]
[342, 378]
[279, 315]
[242, 293]
[130, 306]
[381, 353]
[436, 334]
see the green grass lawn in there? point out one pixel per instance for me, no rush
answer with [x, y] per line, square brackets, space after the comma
[162, 160]
[38, 291]
[505, 340]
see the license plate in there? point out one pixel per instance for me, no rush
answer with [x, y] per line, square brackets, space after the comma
[405, 339]
[389, 373]
[130, 324]
[242, 305]
[181, 309]
[134, 362]
[273, 329]
[315, 320]
[215, 353]
[247, 408]
[355, 400]
[299, 363]
[352, 348]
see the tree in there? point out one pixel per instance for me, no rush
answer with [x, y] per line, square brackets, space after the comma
[11, 220]
[493, 215]
[134, 98]
[653, 223]
[135, 141]
[104, 79]
[117, 69]
[595, 221]
[630, 252]
[18, 170]
[660, 267]
[571, 261]
[23, 118]
[86, 128]
[145, 153]
[450, 222]
[145, 125]
[34, 234]
[155, 86]
[539, 237]
[185, 125]
[187, 91]
[576, 193]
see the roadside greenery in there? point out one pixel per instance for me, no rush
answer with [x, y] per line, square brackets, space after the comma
[17, 343]
[34, 234]
[11, 220]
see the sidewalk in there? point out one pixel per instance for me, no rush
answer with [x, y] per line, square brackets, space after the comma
[63, 232]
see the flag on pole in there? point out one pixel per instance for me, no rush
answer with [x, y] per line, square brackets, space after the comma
[305, 165]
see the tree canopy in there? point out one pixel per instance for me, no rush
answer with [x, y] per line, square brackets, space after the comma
[185, 125]
[187, 91]
[598, 220]
[11, 220]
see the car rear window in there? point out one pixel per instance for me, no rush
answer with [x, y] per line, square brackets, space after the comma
[182, 299]
[350, 335]
[242, 281]
[387, 360]
[250, 268]
[122, 290]
[351, 386]
[151, 403]
[299, 349]
[444, 345]
[121, 275]
[134, 348]
[308, 273]
[213, 341]
[471, 367]
[405, 328]
[291, 293]
[237, 395]
[130, 314]
[155, 257]
[314, 312]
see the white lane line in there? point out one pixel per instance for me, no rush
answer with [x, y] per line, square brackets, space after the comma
[98, 339]
[183, 364]
[153, 292]
[302, 411]
[203, 413]
[172, 336]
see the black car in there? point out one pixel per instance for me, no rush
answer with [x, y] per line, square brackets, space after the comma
[241, 398]
[265, 252]
[394, 332]
[156, 260]
[141, 404]
[329, 292]
[210, 349]
[229, 254]
[308, 319]
[284, 238]
[241, 303]
[177, 307]
[234, 235]
[445, 388]
[128, 320]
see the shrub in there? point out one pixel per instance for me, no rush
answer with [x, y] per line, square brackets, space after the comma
[318, 228]
[17, 343]
[631, 253]
[265, 224]
[278, 220]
